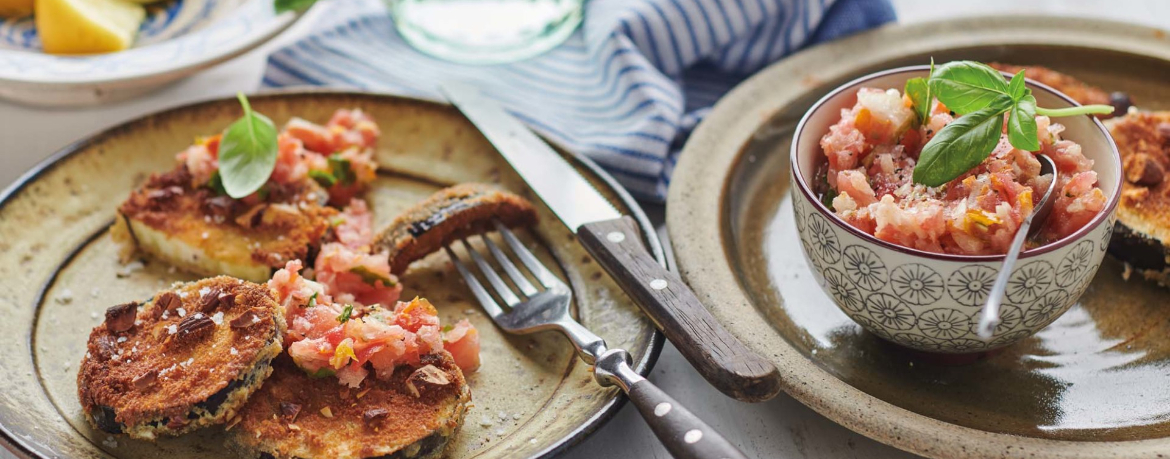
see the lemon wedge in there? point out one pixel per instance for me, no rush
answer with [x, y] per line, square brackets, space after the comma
[15, 8]
[87, 26]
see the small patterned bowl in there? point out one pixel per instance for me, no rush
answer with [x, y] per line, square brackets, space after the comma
[928, 301]
[178, 38]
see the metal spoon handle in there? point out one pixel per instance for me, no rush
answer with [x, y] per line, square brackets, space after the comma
[990, 317]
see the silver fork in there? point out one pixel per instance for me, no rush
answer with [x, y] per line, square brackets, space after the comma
[684, 434]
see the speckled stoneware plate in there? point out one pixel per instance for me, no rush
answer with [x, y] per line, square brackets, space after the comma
[1094, 384]
[532, 397]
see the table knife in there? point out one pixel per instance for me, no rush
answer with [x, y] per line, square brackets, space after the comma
[616, 243]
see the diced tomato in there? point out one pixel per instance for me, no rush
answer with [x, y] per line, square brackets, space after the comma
[290, 166]
[357, 277]
[462, 341]
[315, 137]
[200, 162]
[416, 314]
[353, 128]
[854, 184]
[1079, 200]
[356, 229]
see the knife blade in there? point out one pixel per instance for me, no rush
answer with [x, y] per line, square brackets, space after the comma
[573, 199]
[614, 241]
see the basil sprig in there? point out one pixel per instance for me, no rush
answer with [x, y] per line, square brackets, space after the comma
[982, 95]
[247, 153]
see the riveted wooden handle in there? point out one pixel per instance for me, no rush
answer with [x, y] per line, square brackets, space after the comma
[680, 431]
[717, 355]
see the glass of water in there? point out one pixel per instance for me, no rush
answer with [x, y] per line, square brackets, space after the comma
[485, 31]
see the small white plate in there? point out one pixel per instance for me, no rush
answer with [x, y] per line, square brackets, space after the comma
[178, 38]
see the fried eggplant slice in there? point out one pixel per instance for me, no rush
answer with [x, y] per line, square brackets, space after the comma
[412, 414]
[1084, 94]
[447, 215]
[187, 358]
[1141, 237]
[198, 230]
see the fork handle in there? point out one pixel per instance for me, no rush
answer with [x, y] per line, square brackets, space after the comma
[717, 355]
[680, 431]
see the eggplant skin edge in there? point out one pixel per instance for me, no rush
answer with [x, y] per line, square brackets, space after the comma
[1141, 253]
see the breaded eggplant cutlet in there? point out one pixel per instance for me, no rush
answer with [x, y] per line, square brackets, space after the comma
[1141, 237]
[185, 217]
[187, 358]
[412, 414]
[197, 230]
[447, 215]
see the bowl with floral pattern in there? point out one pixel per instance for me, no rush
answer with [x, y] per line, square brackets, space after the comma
[930, 300]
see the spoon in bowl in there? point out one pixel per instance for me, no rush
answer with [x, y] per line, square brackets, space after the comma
[990, 317]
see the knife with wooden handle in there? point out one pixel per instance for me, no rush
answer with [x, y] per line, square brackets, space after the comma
[614, 240]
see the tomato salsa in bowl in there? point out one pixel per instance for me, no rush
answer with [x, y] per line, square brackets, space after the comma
[914, 263]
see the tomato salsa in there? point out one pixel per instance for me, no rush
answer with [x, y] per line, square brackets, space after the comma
[870, 157]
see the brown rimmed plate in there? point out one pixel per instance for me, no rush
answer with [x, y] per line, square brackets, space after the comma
[58, 272]
[1092, 384]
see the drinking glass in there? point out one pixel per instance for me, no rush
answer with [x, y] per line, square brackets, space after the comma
[485, 31]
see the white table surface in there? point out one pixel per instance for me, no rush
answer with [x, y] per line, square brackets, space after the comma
[780, 428]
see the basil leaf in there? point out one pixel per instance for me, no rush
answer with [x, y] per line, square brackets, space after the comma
[342, 169]
[216, 184]
[1016, 87]
[321, 373]
[919, 93]
[326, 179]
[372, 278]
[292, 5]
[967, 86]
[828, 197]
[247, 152]
[961, 145]
[1022, 124]
[346, 314]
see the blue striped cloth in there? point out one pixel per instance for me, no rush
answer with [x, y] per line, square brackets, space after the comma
[625, 89]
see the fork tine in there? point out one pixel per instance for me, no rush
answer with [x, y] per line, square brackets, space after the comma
[481, 294]
[489, 272]
[513, 272]
[542, 274]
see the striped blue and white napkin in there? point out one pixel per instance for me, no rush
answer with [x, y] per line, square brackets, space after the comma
[626, 89]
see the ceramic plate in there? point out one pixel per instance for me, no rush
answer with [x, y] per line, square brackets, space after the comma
[58, 273]
[1092, 384]
[177, 38]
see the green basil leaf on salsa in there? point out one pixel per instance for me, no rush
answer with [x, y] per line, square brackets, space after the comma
[342, 169]
[919, 93]
[216, 184]
[321, 373]
[346, 314]
[1016, 87]
[325, 178]
[1022, 124]
[372, 278]
[961, 145]
[247, 152]
[967, 86]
